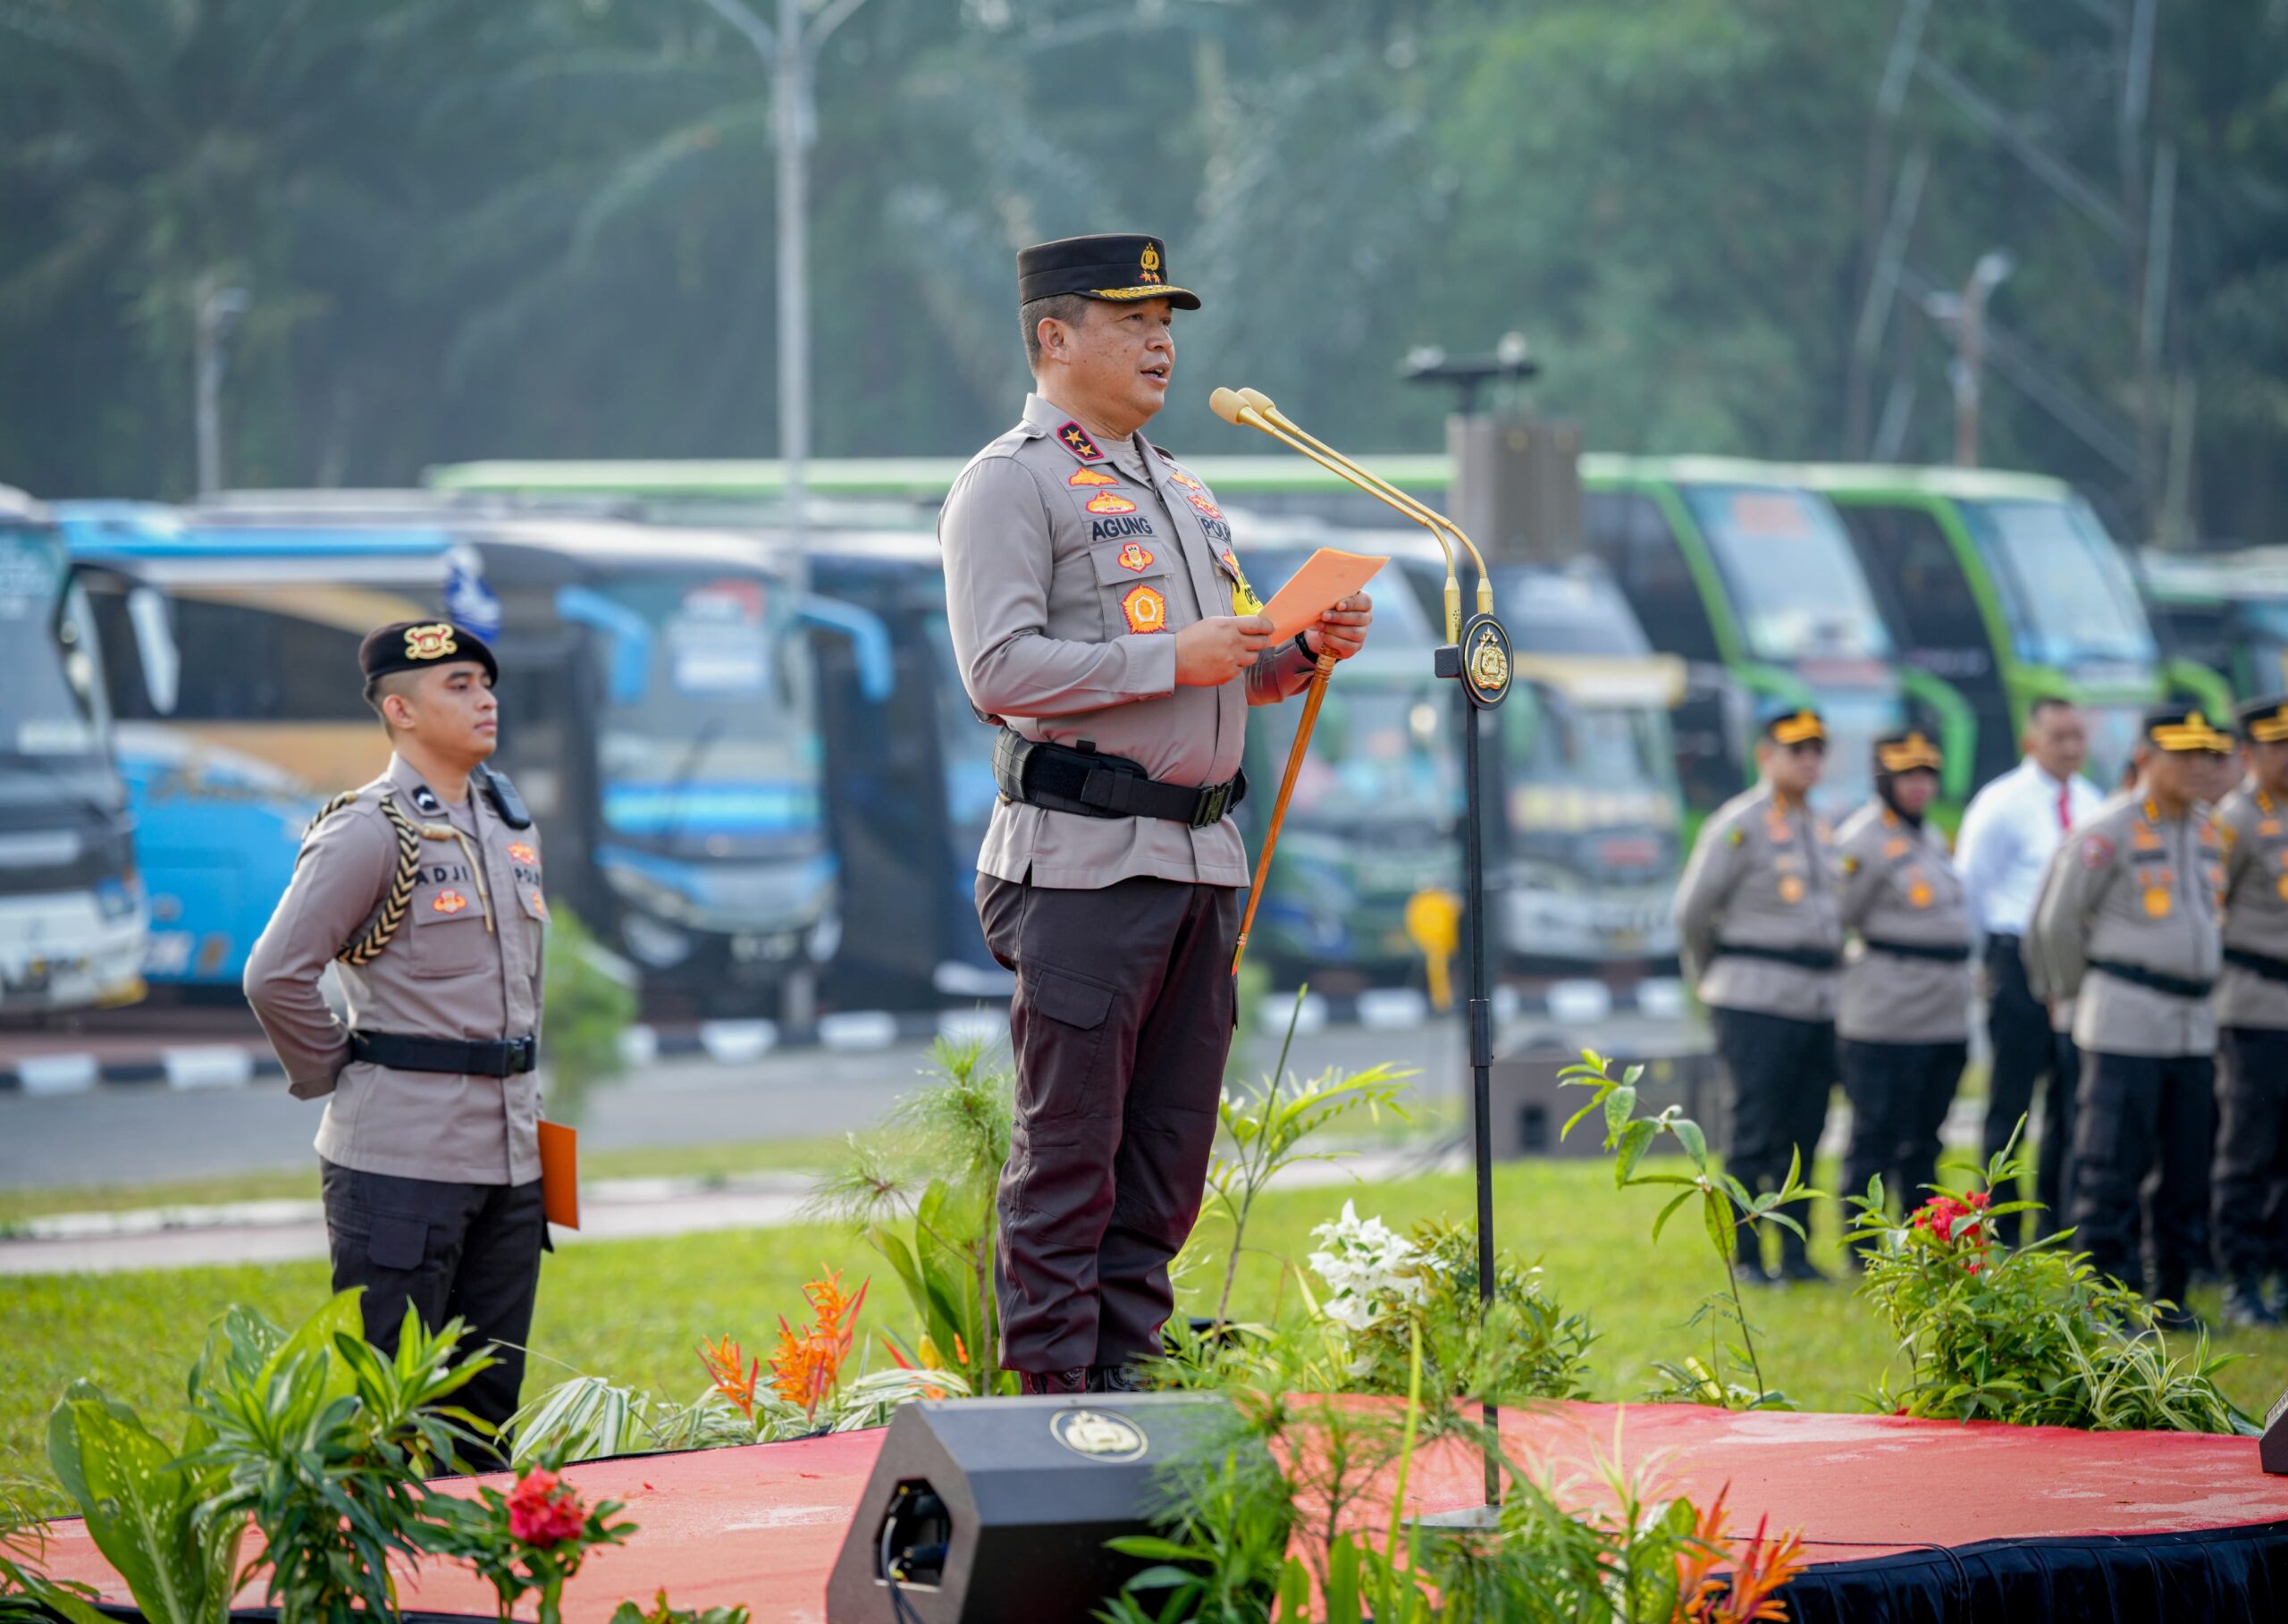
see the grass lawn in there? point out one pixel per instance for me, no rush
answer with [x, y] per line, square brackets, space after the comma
[633, 1310]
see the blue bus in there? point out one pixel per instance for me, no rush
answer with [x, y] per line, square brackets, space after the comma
[659, 716]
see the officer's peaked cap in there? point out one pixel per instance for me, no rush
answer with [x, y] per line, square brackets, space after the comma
[2266, 721]
[2178, 728]
[1119, 268]
[1800, 725]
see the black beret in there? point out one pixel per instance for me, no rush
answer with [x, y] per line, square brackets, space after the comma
[2266, 721]
[1798, 726]
[1121, 268]
[1907, 752]
[2178, 728]
[416, 645]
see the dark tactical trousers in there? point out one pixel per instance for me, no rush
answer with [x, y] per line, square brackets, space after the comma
[2142, 1131]
[1121, 1025]
[2251, 1165]
[1777, 1075]
[465, 1252]
[2027, 1052]
[1899, 1095]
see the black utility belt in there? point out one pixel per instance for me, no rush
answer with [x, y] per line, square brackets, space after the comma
[2176, 986]
[1802, 958]
[1938, 953]
[2271, 969]
[1093, 784]
[478, 1056]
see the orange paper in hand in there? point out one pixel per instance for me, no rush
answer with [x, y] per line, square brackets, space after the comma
[1327, 576]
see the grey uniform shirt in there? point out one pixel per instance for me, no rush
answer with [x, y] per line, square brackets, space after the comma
[1066, 580]
[1900, 884]
[2134, 888]
[465, 963]
[2256, 907]
[1763, 874]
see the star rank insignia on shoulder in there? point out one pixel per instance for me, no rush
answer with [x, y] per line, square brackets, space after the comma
[1075, 439]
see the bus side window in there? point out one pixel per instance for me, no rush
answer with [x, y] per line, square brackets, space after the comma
[243, 664]
[1627, 531]
[1935, 610]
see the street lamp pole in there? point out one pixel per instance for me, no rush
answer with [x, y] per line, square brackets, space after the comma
[215, 311]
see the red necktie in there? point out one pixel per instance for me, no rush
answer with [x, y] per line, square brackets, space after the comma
[2064, 809]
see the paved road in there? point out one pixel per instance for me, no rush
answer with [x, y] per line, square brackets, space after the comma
[141, 1134]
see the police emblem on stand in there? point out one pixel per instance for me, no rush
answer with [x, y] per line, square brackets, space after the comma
[1098, 1436]
[1485, 662]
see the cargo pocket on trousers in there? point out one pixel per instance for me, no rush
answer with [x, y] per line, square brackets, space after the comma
[396, 1243]
[1063, 1045]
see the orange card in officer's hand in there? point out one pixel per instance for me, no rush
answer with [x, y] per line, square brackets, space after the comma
[1327, 576]
[559, 1173]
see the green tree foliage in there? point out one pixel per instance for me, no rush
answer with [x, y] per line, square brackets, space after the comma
[545, 227]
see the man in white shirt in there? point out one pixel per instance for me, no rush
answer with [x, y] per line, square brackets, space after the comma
[2009, 833]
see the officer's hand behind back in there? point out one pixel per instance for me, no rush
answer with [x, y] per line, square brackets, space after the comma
[1217, 649]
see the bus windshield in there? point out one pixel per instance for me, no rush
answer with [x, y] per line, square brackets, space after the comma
[1794, 580]
[2065, 586]
[54, 724]
[714, 749]
[1381, 752]
[1547, 739]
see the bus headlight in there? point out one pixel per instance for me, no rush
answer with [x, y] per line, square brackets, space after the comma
[662, 947]
[655, 897]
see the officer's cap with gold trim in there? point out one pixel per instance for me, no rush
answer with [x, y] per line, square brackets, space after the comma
[2264, 721]
[1119, 268]
[1912, 751]
[2178, 728]
[418, 646]
[1803, 726]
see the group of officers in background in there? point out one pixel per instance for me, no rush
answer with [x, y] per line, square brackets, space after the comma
[2132, 956]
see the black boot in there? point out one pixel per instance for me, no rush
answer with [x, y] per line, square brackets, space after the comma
[1117, 1378]
[1045, 1384]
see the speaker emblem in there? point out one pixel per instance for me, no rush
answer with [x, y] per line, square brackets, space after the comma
[1098, 1436]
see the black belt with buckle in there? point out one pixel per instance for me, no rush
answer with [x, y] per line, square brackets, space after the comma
[2176, 986]
[2248, 958]
[1938, 953]
[1802, 958]
[476, 1057]
[1093, 784]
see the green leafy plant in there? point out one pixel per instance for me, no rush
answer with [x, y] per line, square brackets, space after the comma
[935, 1165]
[1727, 1208]
[662, 1611]
[2032, 1336]
[27, 1596]
[527, 1542]
[591, 999]
[1387, 1293]
[322, 1443]
[1266, 1131]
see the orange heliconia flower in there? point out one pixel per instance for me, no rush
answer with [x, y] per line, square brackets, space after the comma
[809, 1361]
[734, 1375]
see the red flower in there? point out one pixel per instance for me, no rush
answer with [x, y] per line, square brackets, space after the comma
[544, 1511]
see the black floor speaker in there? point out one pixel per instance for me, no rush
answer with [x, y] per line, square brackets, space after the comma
[998, 1509]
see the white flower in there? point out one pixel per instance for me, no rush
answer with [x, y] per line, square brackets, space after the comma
[1370, 1267]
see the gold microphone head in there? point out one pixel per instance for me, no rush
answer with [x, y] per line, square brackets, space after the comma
[1227, 405]
[1260, 401]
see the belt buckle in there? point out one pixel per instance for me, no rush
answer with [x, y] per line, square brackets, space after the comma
[1211, 805]
[524, 1052]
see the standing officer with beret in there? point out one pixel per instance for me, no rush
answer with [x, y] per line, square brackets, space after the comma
[423, 887]
[2252, 1163]
[2127, 927]
[1761, 928]
[1904, 1027]
[1101, 617]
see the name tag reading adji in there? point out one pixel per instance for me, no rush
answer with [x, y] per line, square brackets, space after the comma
[1327, 576]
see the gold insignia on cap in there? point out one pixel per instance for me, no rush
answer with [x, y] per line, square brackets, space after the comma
[1150, 265]
[2270, 729]
[1799, 728]
[1911, 753]
[2193, 733]
[430, 641]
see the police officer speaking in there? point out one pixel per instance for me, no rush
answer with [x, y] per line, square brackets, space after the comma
[2252, 1166]
[424, 890]
[1760, 929]
[1903, 1029]
[1101, 615]
[2127, 927]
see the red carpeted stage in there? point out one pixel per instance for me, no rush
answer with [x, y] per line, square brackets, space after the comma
[1907, 1520]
